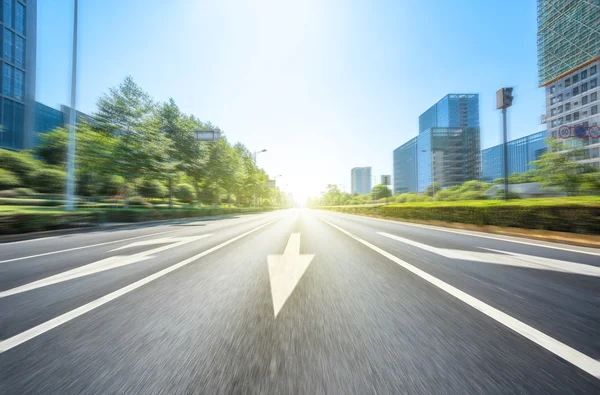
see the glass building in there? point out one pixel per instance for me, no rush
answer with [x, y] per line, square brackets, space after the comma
[405, 167]
[18, 37]
[448, 144]
[46, 119]
[569, 70]
[361, 180]
[521, 152]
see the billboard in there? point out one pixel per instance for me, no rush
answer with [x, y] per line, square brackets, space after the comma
[386, 180]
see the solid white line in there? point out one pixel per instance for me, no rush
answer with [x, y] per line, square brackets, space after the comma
[567, 353]
[474, 234]
[29, 334]
[88, 246]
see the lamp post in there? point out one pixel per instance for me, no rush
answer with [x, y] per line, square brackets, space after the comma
[70, 193]
[254, 159]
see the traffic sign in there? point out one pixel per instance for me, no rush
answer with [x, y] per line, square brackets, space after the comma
[564, 132]
[594, 131]
[579, 131]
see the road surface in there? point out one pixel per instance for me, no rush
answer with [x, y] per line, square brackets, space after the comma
[297, 302]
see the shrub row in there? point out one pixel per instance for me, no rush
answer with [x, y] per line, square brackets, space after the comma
[22, 222]
[562, 217]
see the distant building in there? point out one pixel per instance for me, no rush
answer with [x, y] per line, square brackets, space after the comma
[405, 167]
[447, 148]
[525, 191]
[48, 119]
[17, 98]
[361, 180]
[568, 68]
[521, 152]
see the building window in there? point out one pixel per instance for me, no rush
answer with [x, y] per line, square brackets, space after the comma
[584, 74]
[584, 100]
[594, 109]
[567, 106]
[594, 96]
[584, 87]
[593, 83]
[575, 91]
[8, 19]
[19, 85]
[7, 80]
[575, 78]
[556, 99]
[8, 125]
[20, 18]
[592, 70]
[9, 39]
[19, 51]
[575, 115]
[568, 118]
[552, 89]
[567, 82]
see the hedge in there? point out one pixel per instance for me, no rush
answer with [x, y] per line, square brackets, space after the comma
[49, 218]
[564, 215]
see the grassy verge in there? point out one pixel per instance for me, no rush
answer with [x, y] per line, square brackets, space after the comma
[580, 214]
[23, 219]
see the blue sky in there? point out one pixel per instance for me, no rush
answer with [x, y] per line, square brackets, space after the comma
[324, 86]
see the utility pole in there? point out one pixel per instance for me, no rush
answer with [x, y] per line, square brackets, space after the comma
[504, 99]
[70, 194]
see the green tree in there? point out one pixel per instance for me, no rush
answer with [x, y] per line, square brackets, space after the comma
[558, 167]
[432, 188]
[124, 108]
[52, 148]
[380, 191]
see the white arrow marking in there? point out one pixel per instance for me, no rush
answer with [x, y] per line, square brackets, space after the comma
[285, 271]
[505, 258]
[104, 264]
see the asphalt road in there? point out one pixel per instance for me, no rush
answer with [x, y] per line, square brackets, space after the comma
[297, 302]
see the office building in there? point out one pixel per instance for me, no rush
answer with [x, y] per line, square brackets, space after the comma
[361, 180]
[447, 149]
[568, 65]
[48, 119]
[17, 107]
[405, 167]
[521, 152]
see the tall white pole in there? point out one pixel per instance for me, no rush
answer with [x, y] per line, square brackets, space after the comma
[70, 205]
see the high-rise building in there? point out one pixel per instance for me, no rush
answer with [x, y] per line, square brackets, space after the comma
[18, 32]
[447, 149]
[405, 167]
[361, 180]
[521, 152]
[568, 65]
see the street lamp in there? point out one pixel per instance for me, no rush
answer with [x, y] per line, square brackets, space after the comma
[254, 158]
[70, 192]
[432, 174]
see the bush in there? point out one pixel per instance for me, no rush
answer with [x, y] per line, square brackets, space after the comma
[49, 180]
[25, 192]
[8, 180]
[184, 193]
[152, 189]
[472, 195]
[22, 164]
[111, 185]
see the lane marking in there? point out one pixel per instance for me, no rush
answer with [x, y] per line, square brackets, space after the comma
[104, 264]
[562, 350]
[506, 258]
[285, 271]
[29, 334]
[474, 234]
[88, 246]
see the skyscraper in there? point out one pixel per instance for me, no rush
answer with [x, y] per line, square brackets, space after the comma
[405, 167]
[18, 31]
[361, 180]
[568, 63]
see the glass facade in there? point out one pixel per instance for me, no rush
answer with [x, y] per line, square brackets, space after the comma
[568, 36]
[46, 119]
[521, 152]
[405, 167]
[455, 110]
[14, 74]
[361, 180]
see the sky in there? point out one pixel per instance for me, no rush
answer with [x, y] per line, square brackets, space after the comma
[323, 86]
